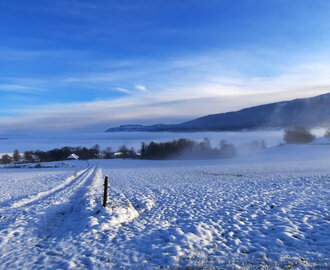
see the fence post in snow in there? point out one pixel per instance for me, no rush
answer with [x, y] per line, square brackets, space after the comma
[105, 195]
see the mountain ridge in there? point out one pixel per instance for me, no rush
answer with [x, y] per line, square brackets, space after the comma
[309, 112]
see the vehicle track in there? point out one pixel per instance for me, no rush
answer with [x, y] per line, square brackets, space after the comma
[27, 212]
[69, 181]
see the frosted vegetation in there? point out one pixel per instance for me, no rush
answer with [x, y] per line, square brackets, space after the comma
[267, 210]
[298, 135]
[182, 148]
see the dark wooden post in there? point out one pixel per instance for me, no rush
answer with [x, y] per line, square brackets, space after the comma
[105, 195]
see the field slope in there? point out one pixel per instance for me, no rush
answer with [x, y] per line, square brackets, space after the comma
[269, 211]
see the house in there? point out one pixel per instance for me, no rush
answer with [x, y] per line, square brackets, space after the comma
[118, 154]
[73, 157]
[100, 155]
[35, 158]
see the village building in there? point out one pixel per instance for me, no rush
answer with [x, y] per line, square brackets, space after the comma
[73, 156]
[118, 154]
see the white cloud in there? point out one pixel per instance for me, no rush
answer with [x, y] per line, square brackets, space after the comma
[17, 88]
[141, 88]
[123, 90]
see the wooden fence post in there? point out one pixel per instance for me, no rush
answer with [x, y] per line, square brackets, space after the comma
[105, 195]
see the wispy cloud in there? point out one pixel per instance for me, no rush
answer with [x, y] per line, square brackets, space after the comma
[123, 90]
[17, 88]
[141, 88]
[224, 67]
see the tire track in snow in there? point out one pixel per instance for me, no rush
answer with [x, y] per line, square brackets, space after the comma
[69, 215]
[26, 212]
[71, 180]
[40, 195]
[40, 223]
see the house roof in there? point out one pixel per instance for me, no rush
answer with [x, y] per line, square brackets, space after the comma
[73, 156]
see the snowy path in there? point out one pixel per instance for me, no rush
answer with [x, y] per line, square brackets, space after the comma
[16, 184]
[32, 222]
[230, 214]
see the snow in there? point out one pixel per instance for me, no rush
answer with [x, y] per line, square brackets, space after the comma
[18, 183]
[269, 210]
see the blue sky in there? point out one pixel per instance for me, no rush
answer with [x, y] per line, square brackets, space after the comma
[82, 64]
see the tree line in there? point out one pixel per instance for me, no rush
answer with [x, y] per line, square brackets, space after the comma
[187, 149]
[56, 154]
[175, 149]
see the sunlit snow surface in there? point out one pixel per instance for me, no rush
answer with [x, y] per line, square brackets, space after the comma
[18, 183]
[266, 211]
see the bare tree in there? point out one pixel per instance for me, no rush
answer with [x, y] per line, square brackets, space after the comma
[28, 156]
[124, 151]
[16, 156]
[5, 159]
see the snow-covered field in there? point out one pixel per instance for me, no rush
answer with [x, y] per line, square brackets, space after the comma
[18, 183]
[269, 210]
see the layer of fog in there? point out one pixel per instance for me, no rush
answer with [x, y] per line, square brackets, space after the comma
[241, 140]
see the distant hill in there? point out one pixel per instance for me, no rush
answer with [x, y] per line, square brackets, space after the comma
[309, 112]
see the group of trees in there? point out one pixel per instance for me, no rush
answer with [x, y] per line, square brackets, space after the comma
[175, 149]
[63, 153]
[6, 159]
[301, 135]
[84, 153]
[56, 154]
[186, 149]
[298, 135]
[125, 152]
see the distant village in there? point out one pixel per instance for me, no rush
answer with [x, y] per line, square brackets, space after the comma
[175, 149]
[67, 153]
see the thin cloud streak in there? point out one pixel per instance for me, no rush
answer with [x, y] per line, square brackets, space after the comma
[17, 88]
[123, 90]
